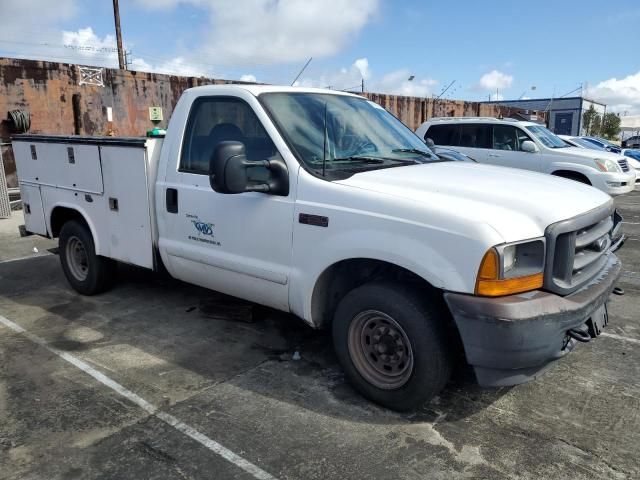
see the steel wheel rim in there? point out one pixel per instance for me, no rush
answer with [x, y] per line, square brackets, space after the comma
[380, 350]
[77, 258]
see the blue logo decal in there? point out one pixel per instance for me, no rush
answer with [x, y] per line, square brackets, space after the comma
[203, 228]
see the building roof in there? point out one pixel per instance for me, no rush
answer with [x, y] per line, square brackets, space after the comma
[548, 99]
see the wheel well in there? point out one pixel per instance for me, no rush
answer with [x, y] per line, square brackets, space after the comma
[342, 277]
[62, 215]
[571, 175]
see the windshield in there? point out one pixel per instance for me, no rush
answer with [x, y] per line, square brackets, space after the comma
[548, 138]
[586, 144]
[338, 135]
[607, 142]
[635, 154]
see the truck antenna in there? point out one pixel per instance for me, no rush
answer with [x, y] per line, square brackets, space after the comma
[302, 70]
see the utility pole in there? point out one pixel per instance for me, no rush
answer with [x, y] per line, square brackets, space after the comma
[116, 15]
[362, 85]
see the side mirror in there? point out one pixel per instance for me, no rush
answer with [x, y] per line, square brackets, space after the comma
[228, 172]
[430, 143]
[528, 146]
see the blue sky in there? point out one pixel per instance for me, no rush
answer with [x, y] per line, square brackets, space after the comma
[498, 47]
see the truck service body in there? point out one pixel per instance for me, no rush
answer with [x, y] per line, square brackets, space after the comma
[322, 204]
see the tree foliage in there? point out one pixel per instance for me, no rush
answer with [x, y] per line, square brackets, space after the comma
[591, 121]
[610, 125]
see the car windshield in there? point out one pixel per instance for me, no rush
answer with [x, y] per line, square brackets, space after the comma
[586, 144]
[635, 154]
[338, 135]
[548, 138]
[607, 142]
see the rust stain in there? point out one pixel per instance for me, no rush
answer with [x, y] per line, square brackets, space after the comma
[44, 89]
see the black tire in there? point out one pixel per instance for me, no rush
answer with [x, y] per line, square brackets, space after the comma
[87, 272]
[422, 321]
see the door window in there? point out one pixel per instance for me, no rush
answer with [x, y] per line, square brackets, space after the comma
[217, 119]
[443, 134]
[474, 135]
[505, 137]
[522, 137]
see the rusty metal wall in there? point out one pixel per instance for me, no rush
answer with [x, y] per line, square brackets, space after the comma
[61, 103]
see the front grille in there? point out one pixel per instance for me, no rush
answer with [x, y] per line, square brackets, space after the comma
[578, 249]
[624, 165]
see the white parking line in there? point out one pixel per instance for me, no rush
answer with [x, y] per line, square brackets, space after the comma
[189, 431]
[620, 337]
[25, 258]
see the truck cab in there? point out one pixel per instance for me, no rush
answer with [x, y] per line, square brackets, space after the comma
[322, 204]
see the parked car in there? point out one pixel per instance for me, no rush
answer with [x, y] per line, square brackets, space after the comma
[579, 142]
[529, 146]
[451, 154]
[633, 157]
[604, 144]
[322, 204]
[631, 142]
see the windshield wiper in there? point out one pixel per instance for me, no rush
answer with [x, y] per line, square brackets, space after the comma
[358, 158]
[413, 150]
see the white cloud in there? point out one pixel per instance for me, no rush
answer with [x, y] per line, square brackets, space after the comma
[22, 19]
[495, 79]
[266, 32]
[90, 48]
[362, 65]
[87, 44]
[247, 77]
[395, 83]
[620, 95]
[398, 83]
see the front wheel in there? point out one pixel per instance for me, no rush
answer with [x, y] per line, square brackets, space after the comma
[392, 343]
[87, 272]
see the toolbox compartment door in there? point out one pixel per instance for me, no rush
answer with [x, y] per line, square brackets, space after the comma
[32, 208]
[73, 166]
[127, 212]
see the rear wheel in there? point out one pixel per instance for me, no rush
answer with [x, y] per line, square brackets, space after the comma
[392, 343]
[87, 272]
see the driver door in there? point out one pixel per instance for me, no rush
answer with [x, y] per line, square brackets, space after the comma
[507, 150]
[236, 244]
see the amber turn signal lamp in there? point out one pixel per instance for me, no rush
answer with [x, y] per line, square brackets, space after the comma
[489, 283]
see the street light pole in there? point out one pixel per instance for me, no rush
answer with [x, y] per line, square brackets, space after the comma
[116, 15]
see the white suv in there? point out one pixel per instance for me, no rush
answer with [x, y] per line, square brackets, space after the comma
[528, 145]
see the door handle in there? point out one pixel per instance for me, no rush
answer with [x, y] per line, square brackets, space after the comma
[494, 155]
[172, 200]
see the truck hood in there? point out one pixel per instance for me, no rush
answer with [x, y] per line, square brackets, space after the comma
[518, 204]
[588, 153]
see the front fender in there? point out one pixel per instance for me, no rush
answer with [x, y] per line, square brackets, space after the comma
[445, 261]
[586, 170]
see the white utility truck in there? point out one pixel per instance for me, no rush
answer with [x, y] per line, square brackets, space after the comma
[323, 204]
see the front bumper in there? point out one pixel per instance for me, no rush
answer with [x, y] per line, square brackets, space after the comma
[614, 183]
[513, 339]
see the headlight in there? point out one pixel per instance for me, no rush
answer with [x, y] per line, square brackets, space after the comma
[511, 268]
[607, 165]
